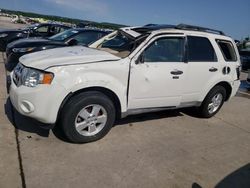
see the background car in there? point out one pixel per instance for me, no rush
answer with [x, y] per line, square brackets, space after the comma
[36, 30]
[78, 36]
[245, 58]
[248, 78]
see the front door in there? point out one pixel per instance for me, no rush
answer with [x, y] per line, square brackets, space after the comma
[156, 79]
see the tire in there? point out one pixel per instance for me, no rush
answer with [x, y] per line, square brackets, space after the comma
[87, 117]
[208, 108]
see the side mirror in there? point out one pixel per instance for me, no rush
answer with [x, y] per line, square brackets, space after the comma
[72, 42]
[140, 59]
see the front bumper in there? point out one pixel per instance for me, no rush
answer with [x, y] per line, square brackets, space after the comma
[2, 45]
[41, 102]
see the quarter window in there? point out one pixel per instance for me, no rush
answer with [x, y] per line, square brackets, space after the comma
[227, 50]
[200, 49]
[165, 50]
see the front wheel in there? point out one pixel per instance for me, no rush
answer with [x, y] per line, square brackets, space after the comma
[213, 102]
[87, 117]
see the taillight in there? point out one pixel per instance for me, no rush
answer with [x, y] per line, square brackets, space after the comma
[238, 72]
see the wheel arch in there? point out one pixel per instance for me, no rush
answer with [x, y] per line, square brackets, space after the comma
[224, 84]
[228, 88]
[109, 93]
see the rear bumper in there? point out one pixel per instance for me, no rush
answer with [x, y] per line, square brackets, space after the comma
[235, 87]
[2, 46]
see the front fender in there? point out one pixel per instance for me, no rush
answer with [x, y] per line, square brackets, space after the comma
[104, 81]
[82, 77]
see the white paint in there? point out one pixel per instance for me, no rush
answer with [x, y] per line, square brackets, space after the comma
[65, 56]
[151, 85]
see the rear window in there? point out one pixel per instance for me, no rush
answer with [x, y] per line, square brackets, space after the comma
[227, 50]
[200, 50]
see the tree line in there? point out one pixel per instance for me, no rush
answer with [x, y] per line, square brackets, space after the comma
[63, 19]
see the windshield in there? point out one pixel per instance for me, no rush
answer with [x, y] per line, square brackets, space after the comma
[64, 35]
[119, 44]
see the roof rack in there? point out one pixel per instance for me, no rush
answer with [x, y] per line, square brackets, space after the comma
[153, 27]
[197, 28]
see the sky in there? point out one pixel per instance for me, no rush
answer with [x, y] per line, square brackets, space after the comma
[230, 16]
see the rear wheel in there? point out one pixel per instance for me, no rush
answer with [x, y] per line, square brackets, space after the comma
[213, 102]
[87, 117]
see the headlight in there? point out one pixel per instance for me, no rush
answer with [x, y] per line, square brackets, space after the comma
[3, 35]
[31, 77]
[22, 50]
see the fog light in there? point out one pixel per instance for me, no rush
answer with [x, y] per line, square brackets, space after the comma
[27, 107]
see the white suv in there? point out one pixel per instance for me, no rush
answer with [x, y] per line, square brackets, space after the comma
[132, 70]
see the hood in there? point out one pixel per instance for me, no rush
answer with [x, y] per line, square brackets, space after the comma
[33, 42]
[65, 56]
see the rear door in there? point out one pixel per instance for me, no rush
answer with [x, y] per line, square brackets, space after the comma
[203, 67]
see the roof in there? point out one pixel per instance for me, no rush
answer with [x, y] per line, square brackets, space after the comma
[57, 24]
[152, 27]
[92, 29]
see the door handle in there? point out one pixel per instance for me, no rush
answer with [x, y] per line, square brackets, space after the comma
[176, 72]
[213, 69]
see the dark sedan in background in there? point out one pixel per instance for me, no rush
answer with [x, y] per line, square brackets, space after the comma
[78, 36]
[36, 30]
[245, 59]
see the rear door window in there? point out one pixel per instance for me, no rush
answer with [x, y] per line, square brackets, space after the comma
[227, 50]
[200, 50]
